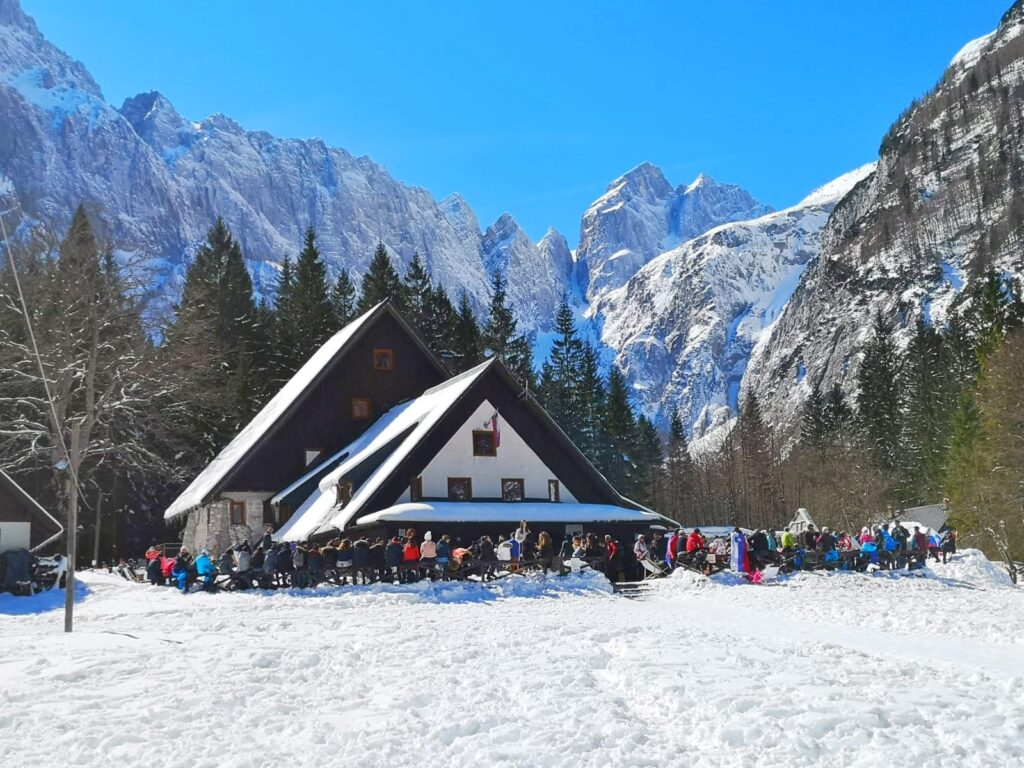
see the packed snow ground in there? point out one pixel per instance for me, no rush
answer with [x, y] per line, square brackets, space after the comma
[837, 670]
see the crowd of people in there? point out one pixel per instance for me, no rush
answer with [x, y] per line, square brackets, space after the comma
[408, 558]
[402, 559]
[885, 547]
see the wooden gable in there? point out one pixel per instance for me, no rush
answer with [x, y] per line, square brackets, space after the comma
[324, 419]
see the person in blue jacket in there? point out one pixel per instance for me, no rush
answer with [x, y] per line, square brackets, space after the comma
[206, 570]
[444, 555]
[182, 569]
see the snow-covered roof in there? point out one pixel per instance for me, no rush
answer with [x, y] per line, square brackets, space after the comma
[503, 511]
[801, 521]
[413, 420]
[205, 483]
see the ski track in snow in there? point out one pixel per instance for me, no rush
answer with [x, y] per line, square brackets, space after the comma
[836, 670]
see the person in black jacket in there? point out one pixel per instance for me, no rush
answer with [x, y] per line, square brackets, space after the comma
[378, 566]
[361, 562]
[487, 558]
[268, 539]
[810, 538]
[394, 554]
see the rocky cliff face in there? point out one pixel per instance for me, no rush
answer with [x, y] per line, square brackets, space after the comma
[642, 215]
[685, 325]
[945, 202]
[157, 181]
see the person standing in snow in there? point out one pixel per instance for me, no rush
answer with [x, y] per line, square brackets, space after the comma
[444, 555]
[545, 551]
[672, 549]
[934, 544]
[487, 558]
[268, 538]
[567, 548]
[361, 571]
[393, 556]
[183, 568]
[410, 555]
[206, 570]
[428, 554]
[948, 543]
[270, 567]
[153, 571]
[788, 541]
[614, 569]
[300, 576]
[378, 559]
[640, 548]
[226, 564]
[660, 546]
[902, 536]
[810, 538]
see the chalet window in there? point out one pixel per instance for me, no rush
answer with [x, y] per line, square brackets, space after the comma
[311, 456]
[237, 512]
[460, 488]
[512, 489]
[344, 492]
[554, 491]
[483, 443]
[360, 408]
[383, 360]
[416, 489]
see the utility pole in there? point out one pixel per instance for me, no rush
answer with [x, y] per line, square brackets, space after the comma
[96, 542]
[72, 533]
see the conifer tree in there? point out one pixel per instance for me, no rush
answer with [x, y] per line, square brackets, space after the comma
[679, 470]
[591, 398]
[307, 318]
[213, 344]
[926, 420]
[440, 323]
[560, 385]
[467, 341]
[380, 282]
[619, 428]
[878, 398]
[419, 293]
[501, 337]
[812, 425]
[343, 300]
[649, 463]
[838, 416]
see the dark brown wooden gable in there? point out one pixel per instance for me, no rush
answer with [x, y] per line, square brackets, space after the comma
[524, 416]
[321, 419]
[17, 507]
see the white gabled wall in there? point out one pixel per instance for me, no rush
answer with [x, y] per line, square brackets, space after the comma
[515, 459]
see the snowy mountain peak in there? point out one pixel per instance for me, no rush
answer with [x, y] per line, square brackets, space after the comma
[646, 181]
[554, 248]
[701, 180]
[458, 213]
[642, 215]
[11, 15]
[835, 190]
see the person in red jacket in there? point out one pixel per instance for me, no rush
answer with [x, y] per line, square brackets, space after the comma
[411, 555]
[695, 542]
[672, 550]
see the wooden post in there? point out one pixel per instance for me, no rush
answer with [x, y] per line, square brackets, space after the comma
[96, 543]
[72, 534]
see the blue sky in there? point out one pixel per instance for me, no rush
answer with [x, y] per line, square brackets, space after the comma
[533, 107]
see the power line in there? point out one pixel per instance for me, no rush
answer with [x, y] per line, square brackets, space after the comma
[72, 533]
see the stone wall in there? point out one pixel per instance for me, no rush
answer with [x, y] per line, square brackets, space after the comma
[209, 527]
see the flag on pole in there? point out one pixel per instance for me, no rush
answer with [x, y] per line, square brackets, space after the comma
[495, 430]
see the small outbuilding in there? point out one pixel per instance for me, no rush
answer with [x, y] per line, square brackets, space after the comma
[24, 524]
[801, 522]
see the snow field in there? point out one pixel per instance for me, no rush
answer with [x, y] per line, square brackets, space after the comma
[838, 670]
